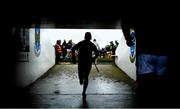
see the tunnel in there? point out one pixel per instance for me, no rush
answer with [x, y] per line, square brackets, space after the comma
[40, 83]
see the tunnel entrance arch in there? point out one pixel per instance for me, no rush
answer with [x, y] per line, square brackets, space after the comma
[107, 39]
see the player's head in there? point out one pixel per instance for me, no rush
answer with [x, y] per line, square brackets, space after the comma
[87, 36]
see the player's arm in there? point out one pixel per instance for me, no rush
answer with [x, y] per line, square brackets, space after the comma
[73, 53]
[125, 26]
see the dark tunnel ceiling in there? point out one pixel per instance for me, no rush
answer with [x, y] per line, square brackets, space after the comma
[85, 14]
[70, 21]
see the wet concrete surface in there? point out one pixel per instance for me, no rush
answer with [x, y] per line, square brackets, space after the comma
[60, 88]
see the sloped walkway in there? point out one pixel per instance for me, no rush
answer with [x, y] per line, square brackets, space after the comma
[60, 88]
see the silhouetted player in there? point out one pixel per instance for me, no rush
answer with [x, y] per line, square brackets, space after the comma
[85, 59]
[153, 53]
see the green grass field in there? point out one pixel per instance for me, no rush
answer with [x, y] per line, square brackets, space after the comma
[105, 59]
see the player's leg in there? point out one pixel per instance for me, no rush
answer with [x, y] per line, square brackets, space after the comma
[80, 73]
[86, 75]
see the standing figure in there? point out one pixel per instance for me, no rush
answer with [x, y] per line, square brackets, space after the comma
[58, 51]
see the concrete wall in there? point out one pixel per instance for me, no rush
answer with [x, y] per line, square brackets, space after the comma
[123, 60]
[28, 72]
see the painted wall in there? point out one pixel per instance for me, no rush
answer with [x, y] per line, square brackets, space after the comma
[123, 61]
[28, 72]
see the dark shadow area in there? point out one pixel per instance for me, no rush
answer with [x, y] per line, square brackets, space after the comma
[162, 94]
[84, 104]
[10, 95]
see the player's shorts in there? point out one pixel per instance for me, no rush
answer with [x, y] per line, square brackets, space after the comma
[152, 64]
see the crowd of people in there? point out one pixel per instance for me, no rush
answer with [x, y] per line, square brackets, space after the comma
[63, 51]
[64, 54]
[109, 50]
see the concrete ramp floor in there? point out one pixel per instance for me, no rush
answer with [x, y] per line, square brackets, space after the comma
[60, 88]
